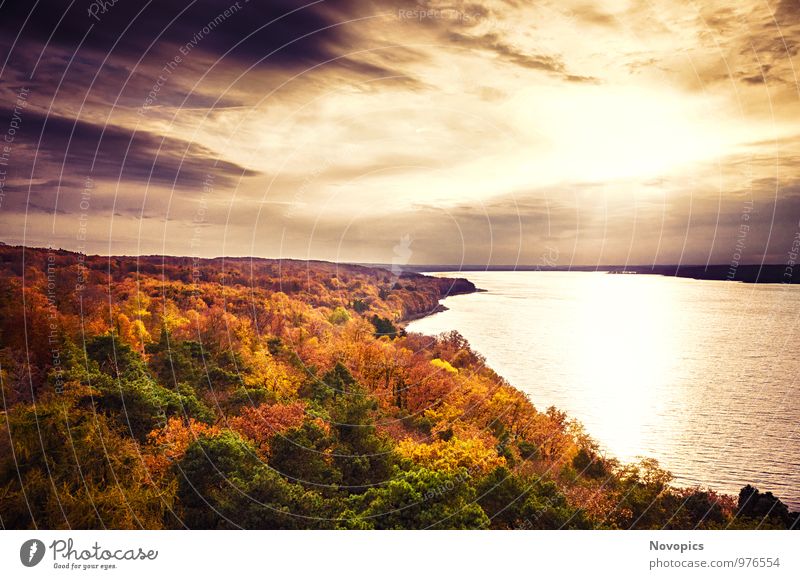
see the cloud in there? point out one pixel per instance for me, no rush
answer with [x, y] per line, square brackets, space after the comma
[56, 153]
[787, 12]
[121, 53]
[298, 32]
[594, 15]
[492, 42]
[485, 130]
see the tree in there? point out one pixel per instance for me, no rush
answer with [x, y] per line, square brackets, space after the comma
[472, 454]
[590, 464]
[65, 467]
[223, 485]
[765, 506]
[168, 444]
[359, 306]
[383, 327]
[212, 475]
[695, 508]
[129, 394]
[267, 373]
[173, 361]
[515, 502]
[642, 488]
[362, 455]
[303, 455]
[262, 423]
[421, 499]
[339, 316]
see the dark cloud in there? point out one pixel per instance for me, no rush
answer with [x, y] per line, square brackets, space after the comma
[758, 78]
[46, 148]
[251, 29]
[117, 85]
[493, 42]
[123, 49]
[721, 21]
[761, 44]
[788, 12]
[87, 75]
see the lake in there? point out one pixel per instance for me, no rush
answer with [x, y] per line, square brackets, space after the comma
[701, 375]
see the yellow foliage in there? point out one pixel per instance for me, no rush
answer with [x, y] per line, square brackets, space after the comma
[133, 332]
[171, 317]
[140, 332]
[444, 365]
[471, 453]
[268, 373]
[138, 305]
[513, 409]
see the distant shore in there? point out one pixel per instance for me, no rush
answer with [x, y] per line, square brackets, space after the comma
[457, 287]
[750, 273]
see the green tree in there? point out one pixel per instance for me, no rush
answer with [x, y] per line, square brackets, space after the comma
[421, 499]
[339, 316]
[764, 507]
[66, 467]
[129, 394]
[643, 491]
[515, 502]
[303, 456]
[362, 455]
[383, 327]
[223, 485]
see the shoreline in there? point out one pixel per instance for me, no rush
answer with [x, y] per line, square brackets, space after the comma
[767, 274]
[418, 316]
[440, 307]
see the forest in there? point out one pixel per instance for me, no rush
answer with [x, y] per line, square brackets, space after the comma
[169, 393]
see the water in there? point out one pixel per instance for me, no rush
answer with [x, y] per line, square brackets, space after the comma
[701, 375]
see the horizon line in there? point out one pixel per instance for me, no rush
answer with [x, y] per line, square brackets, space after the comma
[408, 266]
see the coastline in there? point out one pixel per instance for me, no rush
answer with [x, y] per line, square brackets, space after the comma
[418, 316]
[766, 274]
[458, 287]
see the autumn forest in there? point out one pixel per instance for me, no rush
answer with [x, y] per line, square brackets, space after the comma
[165, 392]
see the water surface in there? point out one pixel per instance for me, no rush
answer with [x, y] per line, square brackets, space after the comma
[701, 375]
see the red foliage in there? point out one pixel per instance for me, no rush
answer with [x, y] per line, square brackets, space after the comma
[260, 424]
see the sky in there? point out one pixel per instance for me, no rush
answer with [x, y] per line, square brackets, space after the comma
[424, 132]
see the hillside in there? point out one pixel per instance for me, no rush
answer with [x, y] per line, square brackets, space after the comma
[165, 392]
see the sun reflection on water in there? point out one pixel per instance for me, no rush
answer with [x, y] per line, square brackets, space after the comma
[626, 351]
